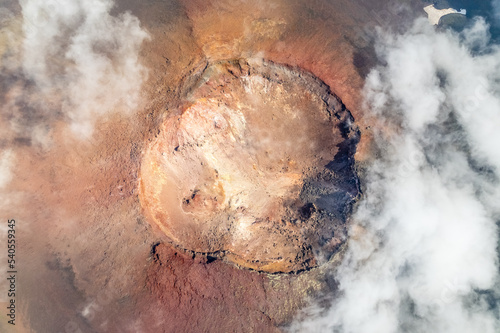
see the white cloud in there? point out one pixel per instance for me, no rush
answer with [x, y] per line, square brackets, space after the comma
[77, 52]
[426, 258]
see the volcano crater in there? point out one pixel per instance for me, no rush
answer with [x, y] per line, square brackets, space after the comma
[255, 168]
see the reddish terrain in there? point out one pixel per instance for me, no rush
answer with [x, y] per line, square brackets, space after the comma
[92, 256]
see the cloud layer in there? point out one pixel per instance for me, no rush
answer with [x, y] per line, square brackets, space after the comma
[83, 61]
[423, 250]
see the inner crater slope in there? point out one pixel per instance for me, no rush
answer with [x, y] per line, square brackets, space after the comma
[256, 167]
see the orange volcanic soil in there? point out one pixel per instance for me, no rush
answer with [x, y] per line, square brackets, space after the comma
[236, 169]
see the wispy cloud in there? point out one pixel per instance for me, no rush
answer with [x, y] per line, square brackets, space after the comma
[423, 250]
[496, 8]
[83, 61]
